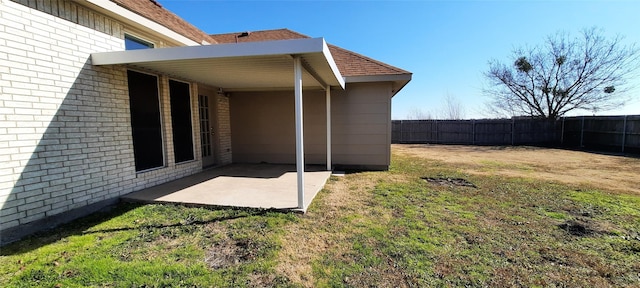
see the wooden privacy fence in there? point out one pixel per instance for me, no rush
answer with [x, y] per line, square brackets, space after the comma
[608, 133]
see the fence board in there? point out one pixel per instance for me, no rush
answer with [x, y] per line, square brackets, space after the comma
[607, 133]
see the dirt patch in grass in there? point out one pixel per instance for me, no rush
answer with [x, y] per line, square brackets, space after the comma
[449, 181]
[576, 228]
[616, 173]
[230, 253]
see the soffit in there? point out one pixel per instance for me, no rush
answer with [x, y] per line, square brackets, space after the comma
[237, 67]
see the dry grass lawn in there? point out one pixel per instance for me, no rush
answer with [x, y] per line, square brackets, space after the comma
[572, 167]
[466, 238]
[530, 217]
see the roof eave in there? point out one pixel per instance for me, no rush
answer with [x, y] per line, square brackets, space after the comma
[398, 80]
[332, 63]
[128, 16]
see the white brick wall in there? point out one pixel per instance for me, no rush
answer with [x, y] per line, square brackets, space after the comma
[65, 135]
[224, 130]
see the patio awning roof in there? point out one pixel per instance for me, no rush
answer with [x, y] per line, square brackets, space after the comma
[286, 64]
[237, 67]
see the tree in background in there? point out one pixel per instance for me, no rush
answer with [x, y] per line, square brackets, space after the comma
[418, 114]
[588, 72]
[453, 108]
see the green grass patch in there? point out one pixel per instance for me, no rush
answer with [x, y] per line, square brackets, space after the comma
[556, 215]
[150, 246]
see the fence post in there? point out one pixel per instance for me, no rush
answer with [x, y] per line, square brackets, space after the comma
[411, 131]
[582, 133]
[473, 132]
[562, 132]
[436, 124]
[513, 129]
[624, 132]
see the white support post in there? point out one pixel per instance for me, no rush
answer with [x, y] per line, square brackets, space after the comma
[328, 98]
[297, 71]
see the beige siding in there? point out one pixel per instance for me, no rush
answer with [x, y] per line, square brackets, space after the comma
[361, 125]
[263, 125]
[264, 128]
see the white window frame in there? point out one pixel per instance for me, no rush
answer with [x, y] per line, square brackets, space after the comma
[139, 40]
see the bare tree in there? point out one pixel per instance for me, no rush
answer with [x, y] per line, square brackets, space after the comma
[589, 72]
[418, 114]
[453, 108]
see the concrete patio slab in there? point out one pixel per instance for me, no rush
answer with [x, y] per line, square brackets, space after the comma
[238, 185]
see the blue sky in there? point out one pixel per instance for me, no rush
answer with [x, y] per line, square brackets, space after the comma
[446, 44]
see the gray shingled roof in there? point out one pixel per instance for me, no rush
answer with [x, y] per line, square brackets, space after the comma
[349, 63]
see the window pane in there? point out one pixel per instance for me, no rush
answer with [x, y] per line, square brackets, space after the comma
[145, 120]
[181, 121]
[133, 43]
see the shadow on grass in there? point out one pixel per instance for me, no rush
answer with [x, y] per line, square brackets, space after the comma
[626, 154]
[82, 226]
[75, 227]
[600, 150]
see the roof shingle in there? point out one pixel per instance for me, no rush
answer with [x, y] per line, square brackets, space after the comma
[349, 63]
[153, 11]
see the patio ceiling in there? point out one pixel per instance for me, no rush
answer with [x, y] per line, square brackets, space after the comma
[237, 67]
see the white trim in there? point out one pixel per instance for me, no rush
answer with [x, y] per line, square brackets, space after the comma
[328, 104]
[247, 49]
[332, 63]
[127, 15]
[134, 36]
[377, 78]
[297, 72]
[398, 80]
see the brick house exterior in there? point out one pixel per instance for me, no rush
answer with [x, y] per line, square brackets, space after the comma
[66, 137]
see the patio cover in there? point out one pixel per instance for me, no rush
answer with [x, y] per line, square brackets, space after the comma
[253, 66]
